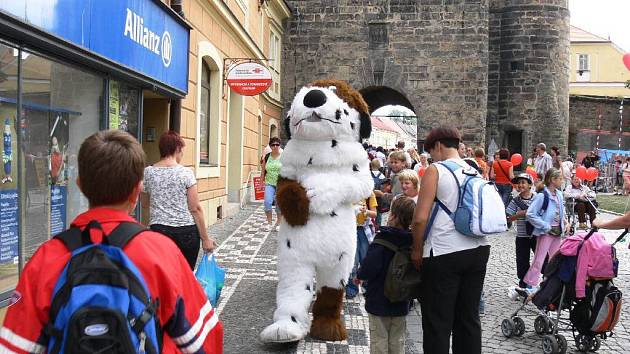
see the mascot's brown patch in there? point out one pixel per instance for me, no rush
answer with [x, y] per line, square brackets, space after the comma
[292, 201]
[352, 97]
[327, 323]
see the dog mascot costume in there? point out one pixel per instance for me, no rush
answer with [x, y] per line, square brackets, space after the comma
[324, 171]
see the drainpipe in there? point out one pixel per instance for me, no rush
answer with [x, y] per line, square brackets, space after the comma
[177, 6]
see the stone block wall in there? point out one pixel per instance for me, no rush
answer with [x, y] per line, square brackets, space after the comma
[434, 52]
[600, 116]
[528, 94]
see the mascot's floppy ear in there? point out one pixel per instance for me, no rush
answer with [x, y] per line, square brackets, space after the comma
[287, 127]
[366, 126]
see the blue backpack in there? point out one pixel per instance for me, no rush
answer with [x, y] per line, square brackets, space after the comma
[480, 210]
[101, 302]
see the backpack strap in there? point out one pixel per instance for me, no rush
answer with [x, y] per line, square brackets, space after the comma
[545, 204]
[386, 244]
[74, 238]
[123, 233]
[621, 237]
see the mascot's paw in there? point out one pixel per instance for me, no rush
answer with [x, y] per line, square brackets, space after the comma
[292, 201]
[327, 328]
[283, 331]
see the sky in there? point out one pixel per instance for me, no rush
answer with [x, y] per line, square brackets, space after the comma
[604, 18]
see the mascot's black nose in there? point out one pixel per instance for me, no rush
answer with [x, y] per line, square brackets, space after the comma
[314, 99]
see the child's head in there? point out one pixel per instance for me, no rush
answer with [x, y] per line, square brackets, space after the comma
[479, 153]
[553, 177]
[523, 183]
[401, 213]
[397, 161]
[111, 168]
[409, 182]
[375, 164]
[386, 185]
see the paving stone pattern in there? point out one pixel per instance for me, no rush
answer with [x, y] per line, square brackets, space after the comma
[247, 252]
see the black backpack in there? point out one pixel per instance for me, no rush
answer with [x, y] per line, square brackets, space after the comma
[402, 281]
[101, 302]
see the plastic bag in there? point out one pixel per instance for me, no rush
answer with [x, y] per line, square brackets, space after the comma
[211, 277]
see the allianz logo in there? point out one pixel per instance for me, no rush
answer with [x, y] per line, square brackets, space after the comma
[137, 32]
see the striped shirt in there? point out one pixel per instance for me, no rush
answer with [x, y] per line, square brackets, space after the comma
[515, 206]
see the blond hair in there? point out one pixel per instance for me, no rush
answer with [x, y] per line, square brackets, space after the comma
[375, 164]
[398, 155]
[409, 175]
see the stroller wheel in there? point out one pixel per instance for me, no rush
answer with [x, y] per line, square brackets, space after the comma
[519, 326]
[550, 344]
[541, 324]
[583, 342]
[507, 327]
[595, 344]
[562, 343]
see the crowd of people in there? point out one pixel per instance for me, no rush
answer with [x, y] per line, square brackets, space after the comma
[403, 210]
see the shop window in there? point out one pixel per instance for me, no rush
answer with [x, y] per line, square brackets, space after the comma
[123, 107]
[208, 115]
[9, 193]
[61, 106]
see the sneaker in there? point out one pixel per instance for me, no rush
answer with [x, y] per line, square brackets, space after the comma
[513, 294]
[531, 290]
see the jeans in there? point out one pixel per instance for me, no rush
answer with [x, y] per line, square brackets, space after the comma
[505, 190]
[270, 196]
[362, 246]
[451, 291]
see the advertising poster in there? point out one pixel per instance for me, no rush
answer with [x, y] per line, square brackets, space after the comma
[58, 198]
[9, 206]
[114, 104]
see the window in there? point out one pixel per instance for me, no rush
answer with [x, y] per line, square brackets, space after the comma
[204, 116]
[208, 112]
[275, 56]
[583, 62]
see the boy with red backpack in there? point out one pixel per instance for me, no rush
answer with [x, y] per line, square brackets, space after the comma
[107, 283]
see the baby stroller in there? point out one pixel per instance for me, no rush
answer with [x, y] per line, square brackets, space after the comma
[578, 279]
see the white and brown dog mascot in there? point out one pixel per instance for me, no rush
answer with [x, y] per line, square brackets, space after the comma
[324, 171]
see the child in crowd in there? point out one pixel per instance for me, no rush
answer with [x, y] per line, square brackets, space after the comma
[480, 159]
[525, 242]
[409, 184]
[387, 319]
[365, 211]
[384, 199]
[549, 224]
[397, 163]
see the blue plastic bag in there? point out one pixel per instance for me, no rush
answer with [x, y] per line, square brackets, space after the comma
[211, 277]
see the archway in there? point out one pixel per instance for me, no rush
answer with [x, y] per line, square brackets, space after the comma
[379, 96]
[393, 117]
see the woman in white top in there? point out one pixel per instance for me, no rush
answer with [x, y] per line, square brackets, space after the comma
[174, 208]
[453, 265]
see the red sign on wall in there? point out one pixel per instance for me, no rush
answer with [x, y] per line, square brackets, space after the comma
[249, 79]
[259, 189]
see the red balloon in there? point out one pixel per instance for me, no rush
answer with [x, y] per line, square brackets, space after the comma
[591, 174]
[532, 172]
[580, 171]
[626, 60]
[516, 159]
[421, 171]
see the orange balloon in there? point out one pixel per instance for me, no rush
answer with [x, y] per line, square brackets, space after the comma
[580, 171]
[516, 159]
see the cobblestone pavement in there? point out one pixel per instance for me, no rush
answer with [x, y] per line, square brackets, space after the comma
[247, 251]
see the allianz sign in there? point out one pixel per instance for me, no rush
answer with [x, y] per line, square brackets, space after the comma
[137, 32]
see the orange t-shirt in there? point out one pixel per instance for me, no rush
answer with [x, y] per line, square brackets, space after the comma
[502, 172]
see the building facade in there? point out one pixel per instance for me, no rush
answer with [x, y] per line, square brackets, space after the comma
[496, 69]
[69, 68]
[596, 66]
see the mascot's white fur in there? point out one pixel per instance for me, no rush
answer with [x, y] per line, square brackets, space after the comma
[324, 171]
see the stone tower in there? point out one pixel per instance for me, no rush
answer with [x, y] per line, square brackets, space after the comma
[433, 52]
[528, 76]
[496, 69]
